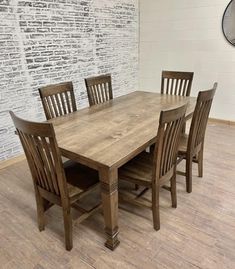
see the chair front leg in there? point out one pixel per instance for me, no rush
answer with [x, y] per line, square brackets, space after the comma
[173, 191]
[68, 228]
[155, 207]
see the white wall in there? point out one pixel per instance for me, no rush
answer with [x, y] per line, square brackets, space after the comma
[187, 35]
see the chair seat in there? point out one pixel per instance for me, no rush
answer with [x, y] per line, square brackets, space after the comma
[79, 177]
[138, 170]
[183, 143]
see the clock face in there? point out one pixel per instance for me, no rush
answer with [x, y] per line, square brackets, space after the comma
[228, 23]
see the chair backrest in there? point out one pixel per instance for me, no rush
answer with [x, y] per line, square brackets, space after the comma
[176, 83]
[168, 137]
[200, 119]
[43, 156]
[58, 99]
[99, 89]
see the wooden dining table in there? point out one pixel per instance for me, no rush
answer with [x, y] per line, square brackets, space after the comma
[108, 135]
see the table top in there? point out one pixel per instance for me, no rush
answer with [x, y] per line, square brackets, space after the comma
[112, 133]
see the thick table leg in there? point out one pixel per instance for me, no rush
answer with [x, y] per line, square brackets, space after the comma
[109, 186]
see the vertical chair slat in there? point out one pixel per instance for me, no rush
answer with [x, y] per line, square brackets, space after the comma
[64, 107]
[166, 147]
[172, 153]
[162, 84]
[185, 86]
[106, 91]
[49, 111]
[167, 85]
[99, 90]
[96, 94]
[51, 165]
[59, 104]
[177, 87]
[66, 93]
[103, 91]
[55, 106]
[93, 100]
[169, 147]
[181, 86]
[172, 86]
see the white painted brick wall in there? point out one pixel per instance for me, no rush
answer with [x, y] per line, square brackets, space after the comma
[51, 41]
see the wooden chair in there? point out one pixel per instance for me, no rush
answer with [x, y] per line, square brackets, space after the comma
[192, 145]
[54, 183]
[153, 170]
[99, 89]
[176, 83]
[58, 99]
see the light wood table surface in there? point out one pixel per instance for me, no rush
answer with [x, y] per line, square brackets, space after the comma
[108, 135]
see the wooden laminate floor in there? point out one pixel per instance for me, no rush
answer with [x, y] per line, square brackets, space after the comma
[200, 233]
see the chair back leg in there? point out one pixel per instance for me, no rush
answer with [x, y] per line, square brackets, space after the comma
[200, 161]
[189, 164]
[173, 191]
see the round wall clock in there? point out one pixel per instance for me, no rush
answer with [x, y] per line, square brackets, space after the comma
[228, 22]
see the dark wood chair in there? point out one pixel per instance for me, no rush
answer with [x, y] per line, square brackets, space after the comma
[99, 89]
[176, 83]
[58, 99]
[54, 182]
[154, 170]
[191, 146]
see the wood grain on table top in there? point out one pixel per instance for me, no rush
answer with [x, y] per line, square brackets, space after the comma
[111, 133]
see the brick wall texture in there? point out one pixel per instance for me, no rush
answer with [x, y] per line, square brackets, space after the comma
[51, 41]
